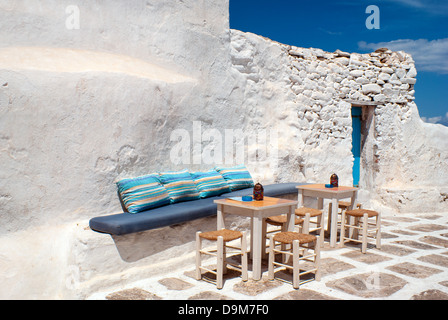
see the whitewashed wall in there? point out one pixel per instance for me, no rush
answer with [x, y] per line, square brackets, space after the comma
[83, 107]
[80, 108]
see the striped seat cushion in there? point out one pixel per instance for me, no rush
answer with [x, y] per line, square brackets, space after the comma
[237, 177]
[180, 185]
[210, 183]
[142, 193]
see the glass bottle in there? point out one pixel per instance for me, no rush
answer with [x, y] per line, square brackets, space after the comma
[258, 192]
[334, 180]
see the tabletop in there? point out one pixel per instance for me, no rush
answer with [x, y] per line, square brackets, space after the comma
[266, 203]
[321, 187]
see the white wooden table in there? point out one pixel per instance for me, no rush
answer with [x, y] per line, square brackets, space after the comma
[334, 195]
[258, 211]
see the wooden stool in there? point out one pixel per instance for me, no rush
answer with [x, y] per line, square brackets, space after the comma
[280, 221]
[342, 206]
[307, 214]
[302, 244]
[221, 237]
[361, 222]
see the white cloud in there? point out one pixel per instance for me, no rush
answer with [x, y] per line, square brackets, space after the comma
[411, 3]
[438, 7]
[428, 55]
[440, 119]
[432, 119]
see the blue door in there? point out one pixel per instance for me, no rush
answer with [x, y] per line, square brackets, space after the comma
[356, 143]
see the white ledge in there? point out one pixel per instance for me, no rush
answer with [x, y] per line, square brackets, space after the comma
[78, 61]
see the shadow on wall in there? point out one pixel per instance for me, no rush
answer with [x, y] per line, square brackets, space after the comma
[168, 242]
[136, 246]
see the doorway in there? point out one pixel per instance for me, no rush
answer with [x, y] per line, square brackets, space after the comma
[356, 144]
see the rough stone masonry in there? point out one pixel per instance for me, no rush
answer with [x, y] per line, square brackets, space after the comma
[312, 92]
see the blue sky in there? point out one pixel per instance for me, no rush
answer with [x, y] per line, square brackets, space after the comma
[419, 27]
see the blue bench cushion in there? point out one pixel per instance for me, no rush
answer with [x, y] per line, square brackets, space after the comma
[125, 223]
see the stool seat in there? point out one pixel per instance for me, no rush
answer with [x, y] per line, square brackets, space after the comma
[227, 235]
[361, 212]
[345, 204]
[281, 220]
[288, 237]
[304, 210]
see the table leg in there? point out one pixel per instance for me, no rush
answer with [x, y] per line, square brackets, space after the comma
[251, 228]
[263, 238]
[220, 217]
[334, 222]
[320, 203]
[300, 199]
[256, 235]
[353, 200]
[291, 218]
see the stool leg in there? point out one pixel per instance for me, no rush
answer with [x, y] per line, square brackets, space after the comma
[244, 256]
[365, 220]
[220, 263]
[378, 231]
[306, 224]
[198, 255]
[271, 258]
[342, 237]
[284, 246]
[224, 258]
[330, 208]
[295, 264]
[317, 259]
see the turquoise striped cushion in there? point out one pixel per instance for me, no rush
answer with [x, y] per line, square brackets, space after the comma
[142, 193]
[180, 185]
[210, 183]
[237, 177]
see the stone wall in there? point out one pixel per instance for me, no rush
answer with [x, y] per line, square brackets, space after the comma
[312, 92]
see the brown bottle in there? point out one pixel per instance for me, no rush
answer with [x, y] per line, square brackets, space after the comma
[258, 192]
[334, 180]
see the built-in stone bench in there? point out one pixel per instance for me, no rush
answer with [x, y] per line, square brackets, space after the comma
[126, 223]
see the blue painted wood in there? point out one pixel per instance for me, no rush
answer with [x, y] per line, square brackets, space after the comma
[356, 143]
